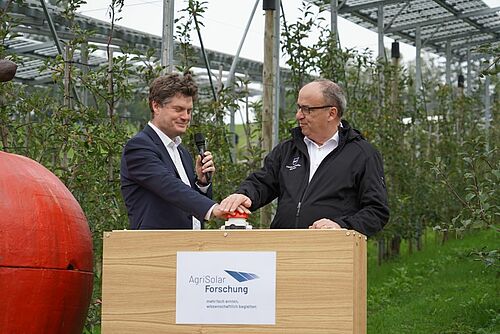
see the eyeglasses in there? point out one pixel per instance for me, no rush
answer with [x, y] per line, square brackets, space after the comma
[307, 110]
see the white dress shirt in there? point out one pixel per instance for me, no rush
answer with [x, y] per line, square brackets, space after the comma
[317, 153]
[171, 146]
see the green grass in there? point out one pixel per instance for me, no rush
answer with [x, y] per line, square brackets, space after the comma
[242, 140]
[240, 131]
[441, 289]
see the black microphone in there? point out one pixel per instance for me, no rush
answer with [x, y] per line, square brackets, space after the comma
[199, 140]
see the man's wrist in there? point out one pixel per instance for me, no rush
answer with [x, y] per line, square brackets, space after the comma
[201, 184]
[210, 212]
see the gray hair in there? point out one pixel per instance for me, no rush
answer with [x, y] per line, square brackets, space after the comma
[333, 94]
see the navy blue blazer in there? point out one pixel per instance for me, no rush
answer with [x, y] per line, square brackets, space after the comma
[154, 194]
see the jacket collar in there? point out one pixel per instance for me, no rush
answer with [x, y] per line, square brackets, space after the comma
[346, 133]
[151, 133]
[185, 157]
[166, 140]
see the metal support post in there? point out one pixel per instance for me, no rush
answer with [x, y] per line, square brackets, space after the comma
[167, 37]
[380, 29]
[418, 61]
[487, 103]
[487, 111]
[230, 81]
[334, 7]
[84, 59]
[230, 76]
[56, 40]
[448, 63]
[469, 73]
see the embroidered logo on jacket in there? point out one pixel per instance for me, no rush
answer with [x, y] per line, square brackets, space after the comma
[383, 181]
[295, 164]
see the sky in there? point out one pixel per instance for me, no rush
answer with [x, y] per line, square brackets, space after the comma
[225, 21]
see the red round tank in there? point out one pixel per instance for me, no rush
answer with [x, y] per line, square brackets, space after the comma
[46, 273]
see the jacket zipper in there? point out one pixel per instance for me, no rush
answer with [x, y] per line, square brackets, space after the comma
[297, 215]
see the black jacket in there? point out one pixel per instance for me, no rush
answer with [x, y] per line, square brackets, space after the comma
[348, 187]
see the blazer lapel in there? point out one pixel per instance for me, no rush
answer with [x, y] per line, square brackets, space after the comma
[187, 163]
[162, 149]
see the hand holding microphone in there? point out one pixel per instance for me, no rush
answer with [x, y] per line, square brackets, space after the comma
[206, 166]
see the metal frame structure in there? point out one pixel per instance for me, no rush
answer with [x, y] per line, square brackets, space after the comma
[463, 23]
[36, 43]
[450, 28]
[446, 27]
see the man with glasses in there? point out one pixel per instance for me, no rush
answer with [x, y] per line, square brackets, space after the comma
[161, 187]
[326, 176]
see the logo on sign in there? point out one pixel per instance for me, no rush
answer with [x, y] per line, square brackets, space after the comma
[218, 284]
[241, 276]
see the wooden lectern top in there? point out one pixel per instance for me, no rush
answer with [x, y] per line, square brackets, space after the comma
[320, 279]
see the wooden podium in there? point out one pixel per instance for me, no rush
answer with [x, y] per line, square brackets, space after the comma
[320, 279]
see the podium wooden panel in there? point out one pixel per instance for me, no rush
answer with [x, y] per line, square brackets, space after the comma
[320, 279]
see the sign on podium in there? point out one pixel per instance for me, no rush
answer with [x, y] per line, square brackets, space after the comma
[234, 281]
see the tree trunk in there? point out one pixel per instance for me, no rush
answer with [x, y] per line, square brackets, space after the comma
[444, 237]
[395, 246]
[387, 249]
[381, 245]
[419, 235]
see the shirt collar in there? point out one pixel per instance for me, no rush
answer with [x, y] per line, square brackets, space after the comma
[166, 140]
[334, 138]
